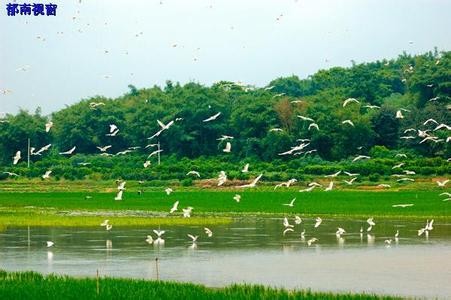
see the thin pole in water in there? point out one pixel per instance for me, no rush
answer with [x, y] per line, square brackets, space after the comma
[98, 283]
[28, 236]
[158, 272]
[28, 153]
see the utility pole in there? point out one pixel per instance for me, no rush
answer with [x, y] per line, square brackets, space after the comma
[28, 153]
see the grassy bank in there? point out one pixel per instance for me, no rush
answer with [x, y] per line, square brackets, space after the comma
[74, 209]
[30, 285]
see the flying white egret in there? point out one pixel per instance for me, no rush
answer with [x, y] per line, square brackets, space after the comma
[245, 168]
[108, 227]
[11, 174]
[105, 223]
[113, 128]
[370, 221]
[50, 244]
[187, 212]
[405, 179]
[351, 174]
[311, 241]
[286, 223]
[309, 189]
[149, 240]
[340, 231]
[195, 173]
[237, 198]
[441, 126]
[47, 174]
[193, 238]
[349, 182]
[222, 178]
[348, 122]
[291, 204]
[371, 106]
[69, 152]
[303, 235]
[318, 222]
[313, 125]
[329, 187]
[114, 133]
[159, 240]
[359, 157]
[334, 174]
[276, 130]
[402, 205]
[208, 232]
[305, 118]
[168, 191]
[119, 195]
[349, 100]
[228, 147]
[430, 121]
[48, 125]
[104, 149]
[146, 164]
[45, 148]
[253, 183]
[154, 153]
[442, 183]
[212, 118]
[165, 126]
[297, 220]
[16, 158]
[225, 137]
[174, 207]
[287, 230]
[398, 166]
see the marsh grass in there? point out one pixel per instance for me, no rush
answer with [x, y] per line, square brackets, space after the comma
[31, 285]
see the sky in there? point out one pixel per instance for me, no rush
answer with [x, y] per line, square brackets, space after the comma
[99, 47]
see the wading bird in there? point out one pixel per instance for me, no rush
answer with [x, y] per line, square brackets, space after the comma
[208, 232]
[318, 222]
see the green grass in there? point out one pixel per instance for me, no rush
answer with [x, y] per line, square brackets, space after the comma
[31, 285]
[210, 207]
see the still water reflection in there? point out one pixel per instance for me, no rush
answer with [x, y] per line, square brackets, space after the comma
[249, 250]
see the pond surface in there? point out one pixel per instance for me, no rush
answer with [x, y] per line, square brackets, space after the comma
[249, 250]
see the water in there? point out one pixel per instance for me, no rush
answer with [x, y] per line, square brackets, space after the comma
[249, 250]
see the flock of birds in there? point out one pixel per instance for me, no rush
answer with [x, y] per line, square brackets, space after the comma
[158, 240]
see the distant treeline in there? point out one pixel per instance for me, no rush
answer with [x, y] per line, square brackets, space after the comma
[419, 84]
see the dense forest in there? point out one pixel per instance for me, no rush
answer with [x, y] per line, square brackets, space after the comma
[264, 122]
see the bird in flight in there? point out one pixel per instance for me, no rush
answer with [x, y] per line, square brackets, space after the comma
[350, 100]
[253, 183]
[69, 152]
[212, 118]
[291, 204]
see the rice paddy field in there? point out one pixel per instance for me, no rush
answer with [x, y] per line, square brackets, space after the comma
[210, 207]
[31, 285]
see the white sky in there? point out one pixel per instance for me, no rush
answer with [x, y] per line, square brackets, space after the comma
[237, 41]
